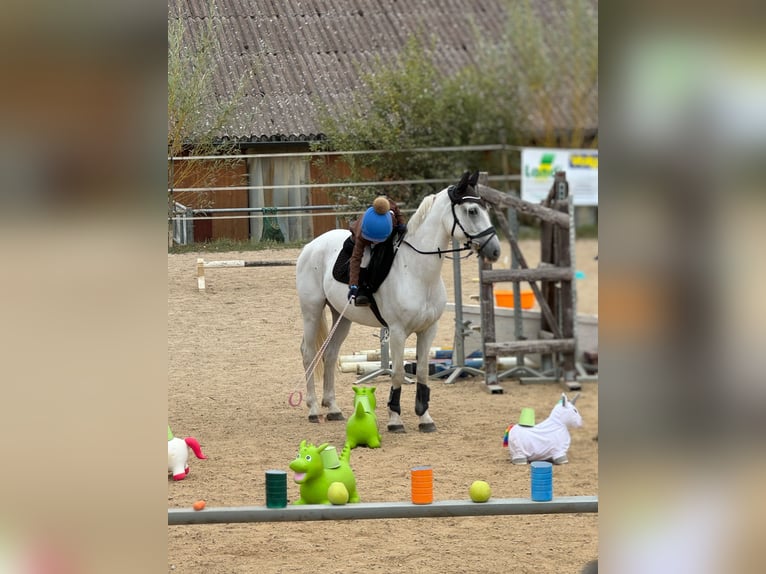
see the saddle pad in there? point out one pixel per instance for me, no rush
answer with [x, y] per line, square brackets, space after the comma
[372, 276]
[340, 270]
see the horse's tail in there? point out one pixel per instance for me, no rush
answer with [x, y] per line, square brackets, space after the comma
[194, 445]
[345, 454]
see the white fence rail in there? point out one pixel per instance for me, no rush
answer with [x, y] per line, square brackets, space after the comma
[290, 186]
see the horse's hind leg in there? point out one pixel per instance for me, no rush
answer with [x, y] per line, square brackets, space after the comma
[311, 327]
[330, 359]
[423, 391]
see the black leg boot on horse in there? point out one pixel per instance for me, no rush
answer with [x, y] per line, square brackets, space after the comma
[422, 396]
[395, 410]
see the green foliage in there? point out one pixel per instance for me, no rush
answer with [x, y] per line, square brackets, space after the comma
[552, 66]
[407, 104]
[225, 245]
[197, 114]
[520, 87]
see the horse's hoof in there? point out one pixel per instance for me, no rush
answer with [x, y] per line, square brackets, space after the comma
[335, 417]
[313, 418]
[427, 427]
[396, 428]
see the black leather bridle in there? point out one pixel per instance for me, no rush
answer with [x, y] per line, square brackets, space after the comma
[457, 199]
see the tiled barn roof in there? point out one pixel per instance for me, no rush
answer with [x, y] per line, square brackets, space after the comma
[301, 51]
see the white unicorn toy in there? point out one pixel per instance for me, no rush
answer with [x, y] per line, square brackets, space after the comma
[548, 440]
[178, 454]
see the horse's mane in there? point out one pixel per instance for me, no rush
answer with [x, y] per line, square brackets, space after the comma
[419, 216]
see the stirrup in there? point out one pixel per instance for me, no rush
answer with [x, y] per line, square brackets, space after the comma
[362, 301]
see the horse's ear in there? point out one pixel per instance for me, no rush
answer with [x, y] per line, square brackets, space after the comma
[564, 399]
[461, 185]
[474, 179]
[574, 399]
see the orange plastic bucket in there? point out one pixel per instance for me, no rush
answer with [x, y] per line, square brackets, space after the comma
[505, 298]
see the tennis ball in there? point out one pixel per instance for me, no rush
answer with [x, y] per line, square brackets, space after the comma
[337, 493]
[480, 491]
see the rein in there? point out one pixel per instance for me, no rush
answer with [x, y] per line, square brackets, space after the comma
[490, 232]
[295, 401]
[439, 250]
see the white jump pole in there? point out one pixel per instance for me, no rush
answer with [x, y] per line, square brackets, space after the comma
[382, 510]
[202, 265]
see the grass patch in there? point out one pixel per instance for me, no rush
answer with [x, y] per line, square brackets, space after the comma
[587, 231]
[225, 245]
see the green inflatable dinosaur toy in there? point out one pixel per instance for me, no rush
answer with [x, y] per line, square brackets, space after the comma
[362, 425]
[314, 479]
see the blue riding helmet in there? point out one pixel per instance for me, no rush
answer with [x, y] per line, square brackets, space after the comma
[376, 227]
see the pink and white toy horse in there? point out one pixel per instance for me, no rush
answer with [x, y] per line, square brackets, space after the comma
[548, 440]
[178, 455]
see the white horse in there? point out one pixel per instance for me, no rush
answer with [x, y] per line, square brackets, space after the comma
[548, 440]
[411, 299]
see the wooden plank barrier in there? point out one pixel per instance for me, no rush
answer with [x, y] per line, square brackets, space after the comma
[555, 294]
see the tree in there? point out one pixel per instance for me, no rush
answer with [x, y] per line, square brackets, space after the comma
[535, 83]
[199, 114]
[406, 104]
[552, 64]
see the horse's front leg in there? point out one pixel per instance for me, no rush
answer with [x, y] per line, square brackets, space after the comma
[423, 391]
[396, 340]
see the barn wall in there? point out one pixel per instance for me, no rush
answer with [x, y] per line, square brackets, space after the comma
[267, 171]
[321, 196]
[202, 174]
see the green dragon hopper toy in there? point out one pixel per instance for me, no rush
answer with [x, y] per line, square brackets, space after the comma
[362, 426]
[315, 480]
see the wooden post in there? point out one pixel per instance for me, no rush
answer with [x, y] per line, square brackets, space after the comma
[200, 274]
[487, 301]
[564, 247]
[548, 324]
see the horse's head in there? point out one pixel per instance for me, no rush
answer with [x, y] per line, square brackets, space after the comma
[308, 464]
[470, 218]
[567, 413]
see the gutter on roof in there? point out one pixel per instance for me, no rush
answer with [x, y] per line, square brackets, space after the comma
[258, 144]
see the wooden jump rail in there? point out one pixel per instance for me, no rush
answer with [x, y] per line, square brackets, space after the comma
[500, 199]
[555, 295]
[202, 265]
